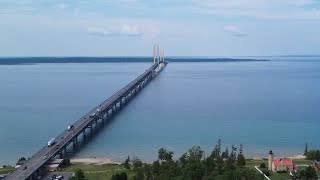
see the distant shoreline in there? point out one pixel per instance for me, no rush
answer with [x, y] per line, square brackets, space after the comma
[38, 60]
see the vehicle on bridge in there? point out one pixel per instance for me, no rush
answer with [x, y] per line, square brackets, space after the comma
[93, 114]
[70, 127]
[51, 142]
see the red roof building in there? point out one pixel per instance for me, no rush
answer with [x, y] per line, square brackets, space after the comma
[283, 165]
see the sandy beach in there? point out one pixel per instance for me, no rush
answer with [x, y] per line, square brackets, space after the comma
[104, 160]
[94, 160]
[283, 157]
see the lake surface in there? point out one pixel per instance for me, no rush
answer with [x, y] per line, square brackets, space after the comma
[263, 105]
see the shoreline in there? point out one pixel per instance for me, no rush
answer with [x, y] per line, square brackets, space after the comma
[94, 160]
[292, 157]
[106, 160]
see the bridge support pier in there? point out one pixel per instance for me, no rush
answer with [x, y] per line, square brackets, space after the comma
[75, 142]
[61, 154]
[84, 135]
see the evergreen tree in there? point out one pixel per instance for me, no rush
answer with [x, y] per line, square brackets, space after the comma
[306, 150]
[127, 163]
[219, 147]
[190, 166]
[241, 161]
[225, 154]
[196, 152]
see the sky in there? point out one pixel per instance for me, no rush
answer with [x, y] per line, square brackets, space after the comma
[181, 27]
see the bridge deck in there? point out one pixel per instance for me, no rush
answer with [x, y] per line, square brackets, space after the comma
[66, 137]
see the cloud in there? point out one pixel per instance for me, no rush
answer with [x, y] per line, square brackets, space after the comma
[234, 31]
[124, 30]
[98, 31]
[130, 30]
[262, 9]
[61, 6]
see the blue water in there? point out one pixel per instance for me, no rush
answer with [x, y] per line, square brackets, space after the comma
[263, 105]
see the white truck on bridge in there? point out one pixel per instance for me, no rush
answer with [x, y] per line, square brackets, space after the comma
[51, 142]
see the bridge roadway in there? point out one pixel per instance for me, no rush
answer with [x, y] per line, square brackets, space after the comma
[38, 160]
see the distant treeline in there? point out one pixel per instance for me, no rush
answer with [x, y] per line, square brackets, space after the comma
[36, 60]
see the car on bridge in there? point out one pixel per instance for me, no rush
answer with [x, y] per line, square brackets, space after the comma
[70, 127]
[93, 114]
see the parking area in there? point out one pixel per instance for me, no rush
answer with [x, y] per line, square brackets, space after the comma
[49, 175]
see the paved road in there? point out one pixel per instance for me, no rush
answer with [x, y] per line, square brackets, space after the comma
[39, 160]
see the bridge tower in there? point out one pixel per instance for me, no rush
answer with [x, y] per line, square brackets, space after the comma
[158, 57]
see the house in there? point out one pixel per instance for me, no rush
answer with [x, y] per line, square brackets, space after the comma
[316, 165]
[282, 165]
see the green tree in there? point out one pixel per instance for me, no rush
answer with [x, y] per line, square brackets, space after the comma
[137, 163]
[196, 152]
[194, 169]
[266, 172]
[183, 159]
[22, 159]
[65, 162]
[120, 176]
[309, 173]
[161, 154]
[263, 165]
[217, 149]
[225, 154]
[79, 174]
[168, 155]
[148, 172]
[165, 155]
[230, 163]
[317, 155]
[127, 163]
[139, 175]
[306, 150]
[241, 161]
[313, 155]
[210, 165]
[156, 168]
[194, 166]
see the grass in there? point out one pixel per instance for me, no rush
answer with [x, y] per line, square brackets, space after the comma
[302, 162]
[251, 163]
[279, 176]
[6, 170]
[99, 172]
